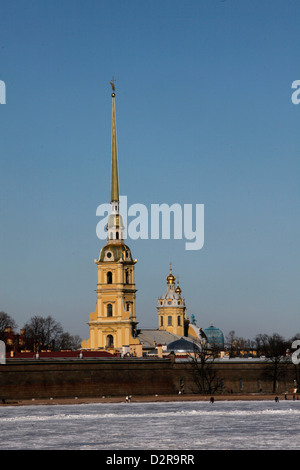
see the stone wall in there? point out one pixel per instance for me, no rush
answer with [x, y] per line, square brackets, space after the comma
[67, 378]
[241, 376]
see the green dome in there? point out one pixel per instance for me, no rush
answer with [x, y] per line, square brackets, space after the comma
[214, 336]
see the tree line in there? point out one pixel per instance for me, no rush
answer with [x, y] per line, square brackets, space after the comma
[262, 344]
[38, 333]
[275, 349]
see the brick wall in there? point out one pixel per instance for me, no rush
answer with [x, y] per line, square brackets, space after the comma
[66, 378]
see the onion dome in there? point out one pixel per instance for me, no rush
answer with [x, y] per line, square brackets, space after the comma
[178, 290]
[171, 278]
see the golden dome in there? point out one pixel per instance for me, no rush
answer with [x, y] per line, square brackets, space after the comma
[178, 290]
[171, 278]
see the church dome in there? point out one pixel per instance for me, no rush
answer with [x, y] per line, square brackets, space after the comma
[214, 336]
[171, 278]
[178, 290]
[115, 252]
[170, 295]
[183, 346]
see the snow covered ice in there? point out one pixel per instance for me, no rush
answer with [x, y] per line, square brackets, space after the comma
[167, 426]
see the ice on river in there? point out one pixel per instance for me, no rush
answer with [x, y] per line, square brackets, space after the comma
[166, 426]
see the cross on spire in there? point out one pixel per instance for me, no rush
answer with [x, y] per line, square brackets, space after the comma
[112, 82]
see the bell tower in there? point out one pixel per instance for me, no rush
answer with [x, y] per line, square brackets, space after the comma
[113, 324]
[171, 309]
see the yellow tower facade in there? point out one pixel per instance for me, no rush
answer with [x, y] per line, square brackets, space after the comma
[171, 309]
[113, 323]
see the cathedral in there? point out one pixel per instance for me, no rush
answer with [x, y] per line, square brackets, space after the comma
[113, 324]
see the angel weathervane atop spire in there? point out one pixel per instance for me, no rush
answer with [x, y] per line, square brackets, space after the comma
[112, 82]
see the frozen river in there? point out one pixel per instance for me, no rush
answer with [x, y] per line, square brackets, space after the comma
[166, 426]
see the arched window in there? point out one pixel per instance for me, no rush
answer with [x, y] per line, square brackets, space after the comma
[109, 341]
[109, 277]
[117, 235]
[109, 310]
[127, 277]
[178, 320]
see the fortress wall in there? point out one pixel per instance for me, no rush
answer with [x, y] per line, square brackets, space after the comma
[20, 379]
[65, 378]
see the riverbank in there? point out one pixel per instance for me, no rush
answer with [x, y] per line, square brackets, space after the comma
[146, 398]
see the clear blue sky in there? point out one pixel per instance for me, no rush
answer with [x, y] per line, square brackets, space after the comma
[204, 116]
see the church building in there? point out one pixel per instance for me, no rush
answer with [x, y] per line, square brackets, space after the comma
[113, 324]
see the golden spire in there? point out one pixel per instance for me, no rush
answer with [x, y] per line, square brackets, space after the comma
[114, 190]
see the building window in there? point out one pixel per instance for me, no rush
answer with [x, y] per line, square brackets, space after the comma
[117, 235]
[127, 277]
[178, 321]
[161, 321]
[109, 310]
[169, 321]
[109, 277]
[109, 341]
[128, 306]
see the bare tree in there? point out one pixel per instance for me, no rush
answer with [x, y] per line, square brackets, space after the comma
[67, 341]
[6, 321]
[203, 371]
[42, 333]
[235, 345]
[274, 349]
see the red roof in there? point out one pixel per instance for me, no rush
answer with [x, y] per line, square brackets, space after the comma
[32, 355]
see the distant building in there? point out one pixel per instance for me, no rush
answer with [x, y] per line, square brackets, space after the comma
[215, 337]
[172, 310]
